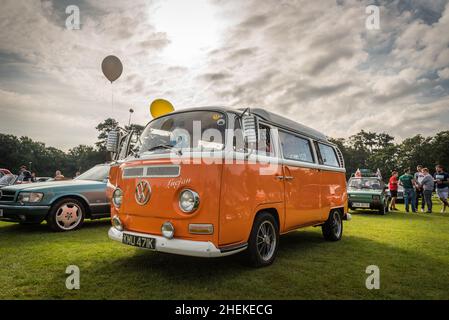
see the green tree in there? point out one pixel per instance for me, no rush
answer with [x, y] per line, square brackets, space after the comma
[84, 157]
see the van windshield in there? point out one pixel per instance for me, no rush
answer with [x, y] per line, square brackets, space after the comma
[193, 130]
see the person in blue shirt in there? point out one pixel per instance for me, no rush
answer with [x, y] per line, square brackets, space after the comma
[442, 186]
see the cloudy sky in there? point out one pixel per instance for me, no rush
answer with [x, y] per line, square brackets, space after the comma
[312, 61]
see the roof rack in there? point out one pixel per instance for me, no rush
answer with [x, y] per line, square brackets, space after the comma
[366, 173]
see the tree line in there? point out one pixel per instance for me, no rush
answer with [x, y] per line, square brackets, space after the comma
[365, 149]
[16, 151]
[374, 151]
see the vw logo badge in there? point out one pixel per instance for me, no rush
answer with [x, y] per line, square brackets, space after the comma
[143, 192]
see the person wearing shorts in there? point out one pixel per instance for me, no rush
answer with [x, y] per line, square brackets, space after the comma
[442, 186]
[393, 187]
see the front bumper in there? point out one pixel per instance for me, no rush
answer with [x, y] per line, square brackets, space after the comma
[205, 249]
[23, 213]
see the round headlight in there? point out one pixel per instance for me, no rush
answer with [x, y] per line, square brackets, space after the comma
[168, 231]
[189, 201]
[117, 197]
[116, 223]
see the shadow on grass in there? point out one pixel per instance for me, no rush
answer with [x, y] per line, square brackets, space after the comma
[307, 267]
[304, 261]
[194, 270]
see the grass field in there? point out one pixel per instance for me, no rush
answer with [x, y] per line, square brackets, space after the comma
[411, 250]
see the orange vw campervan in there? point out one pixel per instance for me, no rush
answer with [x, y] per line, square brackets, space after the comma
[212, 182]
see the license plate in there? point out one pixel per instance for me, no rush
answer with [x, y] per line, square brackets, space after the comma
[1, 212]
[360, 205]
[138, 241]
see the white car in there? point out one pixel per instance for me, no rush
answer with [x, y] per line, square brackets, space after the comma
[400, 193]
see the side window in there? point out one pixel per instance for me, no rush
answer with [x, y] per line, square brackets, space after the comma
[328, 156]
[264, 144]
[295, 148]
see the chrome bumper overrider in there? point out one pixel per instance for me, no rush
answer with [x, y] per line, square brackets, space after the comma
[178, 246]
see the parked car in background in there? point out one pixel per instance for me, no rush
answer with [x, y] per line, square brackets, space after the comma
[4, 172]
[7, 179]
[368, 193]
[400, 193]
[63, 204]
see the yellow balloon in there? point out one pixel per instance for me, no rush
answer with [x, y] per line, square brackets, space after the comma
[160, 107]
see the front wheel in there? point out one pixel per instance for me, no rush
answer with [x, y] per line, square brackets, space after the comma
[333, 228]
[66, 215]
[383, 211]
[264, 240]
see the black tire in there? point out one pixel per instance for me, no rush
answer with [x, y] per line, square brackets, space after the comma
[333, 228]
[264, 253]
[57, 214]
[384, 209]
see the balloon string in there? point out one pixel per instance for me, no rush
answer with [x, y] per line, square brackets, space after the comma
[112, 101]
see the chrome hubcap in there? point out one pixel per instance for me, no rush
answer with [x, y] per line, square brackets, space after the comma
[68, 216]
[336, 225]
[266, 240]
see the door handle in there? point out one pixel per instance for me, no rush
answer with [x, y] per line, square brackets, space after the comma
[288, 178]
[280, 177]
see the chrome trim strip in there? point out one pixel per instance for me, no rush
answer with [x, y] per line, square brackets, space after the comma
[2, 206]
[231, 156]
[163, 175]
[145, 171]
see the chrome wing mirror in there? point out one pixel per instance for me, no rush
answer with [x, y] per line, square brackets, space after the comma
[113, 140]
[249, 125]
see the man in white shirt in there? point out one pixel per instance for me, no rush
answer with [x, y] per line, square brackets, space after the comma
[419, 176]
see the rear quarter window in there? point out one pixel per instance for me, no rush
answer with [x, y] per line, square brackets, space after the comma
[295, 148]
[328, 155]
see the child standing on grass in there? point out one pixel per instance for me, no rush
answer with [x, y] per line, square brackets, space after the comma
[442, 186]
[426, 185]
[408, 182]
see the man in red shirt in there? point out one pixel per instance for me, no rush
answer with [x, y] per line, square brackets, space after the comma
[393, 186]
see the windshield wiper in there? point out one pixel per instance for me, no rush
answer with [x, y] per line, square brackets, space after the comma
[161, 146]
[164, 146]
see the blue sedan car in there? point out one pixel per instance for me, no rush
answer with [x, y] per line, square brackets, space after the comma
[64, 204]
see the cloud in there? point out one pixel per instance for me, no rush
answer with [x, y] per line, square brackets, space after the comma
[443, 73]
[312, 61]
